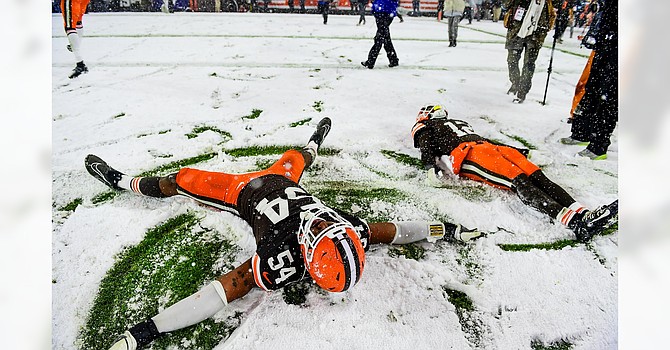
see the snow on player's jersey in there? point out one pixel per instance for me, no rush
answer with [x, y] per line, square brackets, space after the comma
[440, 136]
[272, 205]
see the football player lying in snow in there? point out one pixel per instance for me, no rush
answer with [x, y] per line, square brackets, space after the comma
[297, 236]
[451, 146]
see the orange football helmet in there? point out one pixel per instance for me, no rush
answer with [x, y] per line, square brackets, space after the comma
[333, 252]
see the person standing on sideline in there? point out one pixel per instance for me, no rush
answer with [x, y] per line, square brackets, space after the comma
[73, 13]
[323, 7]
[469, 9]
[497, 9]
[384, 11]
[361, 11]
[416, 11]
[440, 9]
[453, 10]
[596, 115]
[527, 23]
[302, 6]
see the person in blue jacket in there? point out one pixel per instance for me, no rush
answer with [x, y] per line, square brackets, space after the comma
[323, 8]
[384, 12]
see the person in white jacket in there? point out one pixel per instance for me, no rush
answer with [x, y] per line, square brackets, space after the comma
[453, 10]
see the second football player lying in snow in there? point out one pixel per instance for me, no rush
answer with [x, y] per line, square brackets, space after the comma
[297, 236]
[450, 146]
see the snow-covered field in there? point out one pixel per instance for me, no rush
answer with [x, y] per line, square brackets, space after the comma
[155, 72]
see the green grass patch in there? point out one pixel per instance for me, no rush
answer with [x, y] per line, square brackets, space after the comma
[300, 122]
[202, 128]
[558, 245]
[273, 150]
[520, 139]
[318, 106]
[403, 158]
[459, 299]
[472, 326]
[296, 293]
[561, 344]
[173, 261]
[255, 113]
[104, 197]
[409, 251]
[608, 231]
[468, 260]
[72, 205]
[356, 198]
[178, 164]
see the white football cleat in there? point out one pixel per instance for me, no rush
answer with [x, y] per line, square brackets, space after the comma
[126, 342]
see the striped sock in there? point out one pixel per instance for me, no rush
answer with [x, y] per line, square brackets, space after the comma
[578, 207]
[565, 216]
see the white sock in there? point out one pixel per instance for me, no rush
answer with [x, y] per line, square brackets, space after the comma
[75, 43]
[125, 182]
[414, 231]
[193, 309]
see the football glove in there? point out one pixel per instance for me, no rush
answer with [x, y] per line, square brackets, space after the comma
[464, 234]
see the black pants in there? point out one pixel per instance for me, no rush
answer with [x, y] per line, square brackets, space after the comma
[467, 13]
[361, 12]
[597, 113]
[323, 10]
[383, 37]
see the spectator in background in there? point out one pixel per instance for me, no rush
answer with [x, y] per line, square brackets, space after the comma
[265, 5]
[384, 11]
[440, 8]
[323, 7]
[596, 115]
[302, 6]
[468, 12]
[73, 13]
[416, 4]
[527, 23]
[562, 19]
[399, 12]
[291, 5]
[361, 11]
[497, 9]
[453, 10]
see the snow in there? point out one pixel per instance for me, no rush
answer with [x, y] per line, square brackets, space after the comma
[157, 70]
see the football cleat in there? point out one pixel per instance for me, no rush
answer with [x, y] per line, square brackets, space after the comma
[393, 64]
[367, 65]
[69, 47]
[322, 130]
[103, 172]
[78, 70]
[586, 153]
[126, 341]
[331, 248]
[570, 141]
[460, 233]
[590, 223]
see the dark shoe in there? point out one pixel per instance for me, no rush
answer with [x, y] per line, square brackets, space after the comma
[321, 132]
[455, 43]
[570, 141]
[367, 65]
[451, 43]
[69, 47]
[590, 223]
[520, 97]
[78, 70]
[103, 172]
[393, 64]
[587, 153]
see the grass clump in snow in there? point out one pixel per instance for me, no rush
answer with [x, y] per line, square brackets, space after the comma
[562, 344]
[178, 164]
[174, 260]
[523, 141]
[318, 106]
[465, 310]
[296, 293]
[409, 251]
[300, 122]
[558, 245]
[72, 205]
[273, 150]
[356, 199]
[202, 128]
[255, 113]
[104, 197]
[403, 158]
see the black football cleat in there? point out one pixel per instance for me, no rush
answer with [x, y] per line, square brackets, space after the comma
[393, 64]
[322, 130]
[103, 172]
[367, 65]
[591, 223]
[78, 70]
